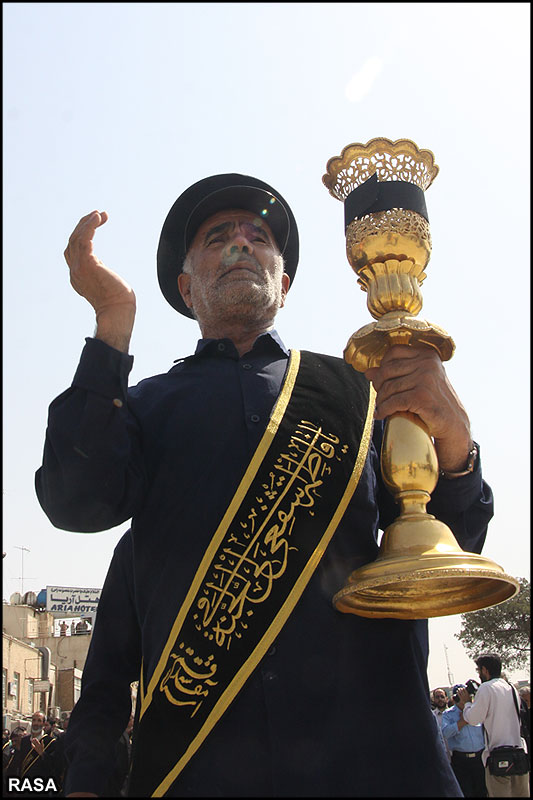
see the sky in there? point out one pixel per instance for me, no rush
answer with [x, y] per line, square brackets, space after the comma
[121, 107]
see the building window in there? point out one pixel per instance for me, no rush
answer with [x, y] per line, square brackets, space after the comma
[16, 689]
[77, 689]
[31, 682]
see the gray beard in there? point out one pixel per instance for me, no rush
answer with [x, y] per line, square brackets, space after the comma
[248, 300]
[244, 299]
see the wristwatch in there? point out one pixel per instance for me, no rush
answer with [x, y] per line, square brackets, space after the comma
[470, 464]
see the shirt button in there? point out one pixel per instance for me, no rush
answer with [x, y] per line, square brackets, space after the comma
[247, 366]
[221, 347]
[255, 418]
[272, 651]
[117, 402]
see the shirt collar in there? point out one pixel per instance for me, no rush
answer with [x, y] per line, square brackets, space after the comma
[270, 341]
[452, 708]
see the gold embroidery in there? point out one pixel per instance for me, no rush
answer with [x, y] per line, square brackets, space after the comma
[187, 678]
[257, 550]
[254, 555]
[240, 678]
[262, 449]
[250, 550]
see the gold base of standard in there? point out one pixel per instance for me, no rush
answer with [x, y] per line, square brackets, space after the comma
[422, 572]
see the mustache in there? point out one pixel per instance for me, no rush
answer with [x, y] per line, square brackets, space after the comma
[230, 260]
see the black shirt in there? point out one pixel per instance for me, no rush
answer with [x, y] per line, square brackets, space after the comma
[315, 717]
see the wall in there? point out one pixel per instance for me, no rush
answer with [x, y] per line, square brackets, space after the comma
[26, 660]
[68, 688]
[67, 651]
[25, 622]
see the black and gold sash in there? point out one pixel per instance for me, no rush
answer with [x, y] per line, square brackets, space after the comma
[268, 544]
[33, 756]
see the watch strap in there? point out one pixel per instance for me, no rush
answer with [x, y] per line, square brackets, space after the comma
[470, 465]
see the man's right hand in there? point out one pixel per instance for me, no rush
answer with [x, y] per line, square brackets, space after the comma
[464, 696]
[111, 297]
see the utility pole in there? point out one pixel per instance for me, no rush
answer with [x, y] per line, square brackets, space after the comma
[450, 675]
[22, 549]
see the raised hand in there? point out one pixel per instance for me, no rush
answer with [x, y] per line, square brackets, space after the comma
[111, 297]
[38, 746]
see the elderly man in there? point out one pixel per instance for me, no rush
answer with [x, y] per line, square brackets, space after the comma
[38, 757]
[251, 474]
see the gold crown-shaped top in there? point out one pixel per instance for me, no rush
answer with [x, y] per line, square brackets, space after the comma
[401, 160]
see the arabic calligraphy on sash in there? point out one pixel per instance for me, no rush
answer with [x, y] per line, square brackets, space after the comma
[252, 556]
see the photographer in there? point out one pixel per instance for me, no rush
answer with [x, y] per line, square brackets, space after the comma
[496, 707]
[466, 743]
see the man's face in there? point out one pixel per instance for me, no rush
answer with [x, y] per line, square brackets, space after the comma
[37, 722]
[483, 674]
[234, 267]
[16, 738]
[439, 698]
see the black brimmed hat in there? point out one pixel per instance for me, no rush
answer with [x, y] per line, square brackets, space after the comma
[205, 198]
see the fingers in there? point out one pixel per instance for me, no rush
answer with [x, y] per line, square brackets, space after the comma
[410, 379]
[80, 241]
[88, 224]
[403, 371]
[414, 379]
[400, 360]
[416, 400]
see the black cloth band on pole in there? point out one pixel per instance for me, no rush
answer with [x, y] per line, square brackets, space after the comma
[374, 195]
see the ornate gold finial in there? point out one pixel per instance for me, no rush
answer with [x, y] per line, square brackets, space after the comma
[400, 160]
[420, 570]
[388, 248]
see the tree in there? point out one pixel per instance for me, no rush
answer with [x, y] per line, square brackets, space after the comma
[504, 629]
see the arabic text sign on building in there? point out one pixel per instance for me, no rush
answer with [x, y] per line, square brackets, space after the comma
[71, 600]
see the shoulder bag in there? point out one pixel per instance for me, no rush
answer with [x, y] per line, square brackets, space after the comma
[508, 760]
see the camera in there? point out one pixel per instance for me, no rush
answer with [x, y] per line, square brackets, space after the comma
[471, 686]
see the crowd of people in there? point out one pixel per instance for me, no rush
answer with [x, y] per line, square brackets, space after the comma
[36, 753]
[482, 726]
[475, 722]
[39, 753]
